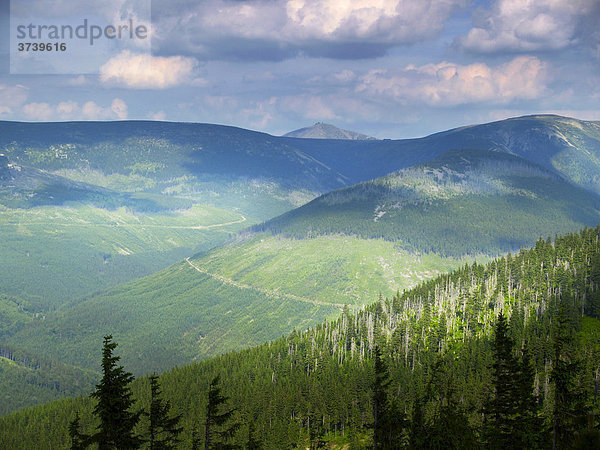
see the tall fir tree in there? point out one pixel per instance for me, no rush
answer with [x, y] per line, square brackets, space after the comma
[568, 399]
[529, 424]
[512, 412]
[501, 409]
[78, 439]
[253, 443]
[387, 421]
[217, 433]
[114, 403]
[163, 429]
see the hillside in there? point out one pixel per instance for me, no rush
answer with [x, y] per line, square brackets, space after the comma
[322, 130]
[162, 151]
[5, 172]
[346, 247]
[152, 153]
[28, 380]
[567, 146]
[316, 386]
[57, 254]
[239, 295]
[260, 286]
[96, 205]
[463, 202]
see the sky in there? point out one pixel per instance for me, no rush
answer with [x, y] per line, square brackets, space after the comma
[386, 68]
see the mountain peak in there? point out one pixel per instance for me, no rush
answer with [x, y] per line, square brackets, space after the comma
[322, 130]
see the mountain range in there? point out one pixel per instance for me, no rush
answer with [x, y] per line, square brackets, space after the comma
[186, 241]
[315, 387]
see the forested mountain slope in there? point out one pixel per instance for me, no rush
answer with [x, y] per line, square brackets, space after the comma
[88, 205]
[317, 386]
[408, 226]
[463, 202]
[567, 146]
[236, 296]
[163, 151]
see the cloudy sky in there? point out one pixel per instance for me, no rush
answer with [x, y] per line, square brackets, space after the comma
[388, 68]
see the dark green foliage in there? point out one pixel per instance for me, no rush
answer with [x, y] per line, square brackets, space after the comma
[319, 383]
[511, 413]
[217, 431]
[26, 379]
[502, 410]
[253, 442]
[78, 440]
[569, 399]
[439, 419]
[529, 426]
[114, 403]
[163, 429]
[454, 205]
[388, 421]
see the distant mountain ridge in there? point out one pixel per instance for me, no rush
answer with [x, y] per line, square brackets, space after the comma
[409, 203]
[457, 203]
[166, 151]
[322, 130]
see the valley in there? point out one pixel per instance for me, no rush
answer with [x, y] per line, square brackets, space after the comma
[195, 240]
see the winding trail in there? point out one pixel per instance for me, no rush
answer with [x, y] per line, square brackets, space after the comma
[267, 292]
[137, 225]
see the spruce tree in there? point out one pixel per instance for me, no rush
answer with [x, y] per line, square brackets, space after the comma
[78, 440]
[253, 443]
[502, 407]
[163, 431]
[387, 421]
[216, 432]
[114, 402]
[568, 400]
[512, 411]
[529, 424]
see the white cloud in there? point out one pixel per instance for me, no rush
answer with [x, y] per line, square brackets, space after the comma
[383, 20]
[450, 84]
[529, 25]
[70, 110]
[142, 71]
[39, 111]
[119, 108]
[78, 81]
[12, 96]
[342, 105]
[159, 115]
[278, 26]
[314, 107]
[92, 111]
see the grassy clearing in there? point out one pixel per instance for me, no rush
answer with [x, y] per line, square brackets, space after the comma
[335, 268]
[59, 253]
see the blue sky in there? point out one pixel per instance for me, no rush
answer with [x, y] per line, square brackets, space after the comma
[388, 68]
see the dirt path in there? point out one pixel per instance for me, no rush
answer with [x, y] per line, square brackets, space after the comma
[267, 292]
[137, 225]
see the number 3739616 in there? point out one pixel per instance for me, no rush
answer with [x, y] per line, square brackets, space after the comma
[42, 47]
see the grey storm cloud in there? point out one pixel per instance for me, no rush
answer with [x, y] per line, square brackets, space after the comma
[276, 30]
[533, 25]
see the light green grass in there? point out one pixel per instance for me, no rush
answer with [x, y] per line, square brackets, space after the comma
[335, 268]
[168, 318]
[236, 296]
[59, 253]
